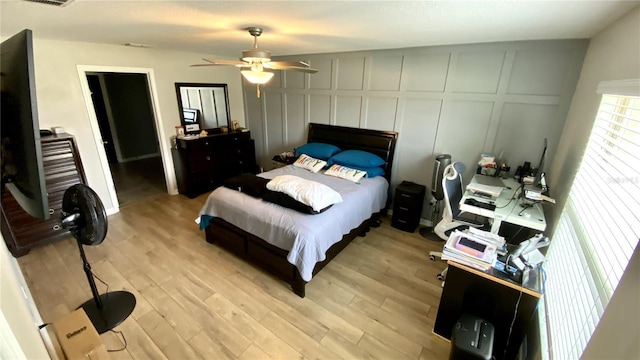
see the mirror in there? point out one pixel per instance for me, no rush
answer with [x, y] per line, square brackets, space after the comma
[203, 106]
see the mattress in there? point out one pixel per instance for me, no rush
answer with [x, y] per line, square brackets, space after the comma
[306, 237]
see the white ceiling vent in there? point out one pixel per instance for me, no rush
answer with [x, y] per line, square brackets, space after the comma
[52, 2]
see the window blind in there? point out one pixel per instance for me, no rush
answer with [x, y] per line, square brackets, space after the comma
[599, 226]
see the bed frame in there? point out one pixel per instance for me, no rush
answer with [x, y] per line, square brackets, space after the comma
[274, 259]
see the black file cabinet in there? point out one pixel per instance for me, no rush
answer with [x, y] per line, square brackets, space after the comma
[407, 206]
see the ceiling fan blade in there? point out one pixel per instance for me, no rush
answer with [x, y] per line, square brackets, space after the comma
[227, 62]
[238, 66]
[300, 69]
[290, 65]
[245, 65]
[276, 64]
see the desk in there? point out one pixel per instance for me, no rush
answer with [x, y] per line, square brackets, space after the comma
[508, 208]
[493, 297]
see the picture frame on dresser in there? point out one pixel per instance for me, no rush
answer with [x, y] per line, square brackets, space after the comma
[191, 121]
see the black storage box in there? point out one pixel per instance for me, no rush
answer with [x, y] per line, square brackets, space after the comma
[407, 206]
[472, 339]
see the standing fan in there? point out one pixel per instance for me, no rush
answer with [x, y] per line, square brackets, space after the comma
[83, 214]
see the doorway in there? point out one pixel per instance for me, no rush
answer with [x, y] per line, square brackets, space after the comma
[125, 117]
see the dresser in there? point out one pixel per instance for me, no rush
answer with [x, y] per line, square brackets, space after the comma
[62, 168]
[203, 163]
[407, 206]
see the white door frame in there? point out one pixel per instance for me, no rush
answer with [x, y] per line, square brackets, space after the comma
[163, 142]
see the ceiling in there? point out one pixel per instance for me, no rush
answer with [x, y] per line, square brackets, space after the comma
[306, 27]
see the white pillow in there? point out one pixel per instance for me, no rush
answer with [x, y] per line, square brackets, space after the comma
[344, 172]
[309, 163]
[308, 192]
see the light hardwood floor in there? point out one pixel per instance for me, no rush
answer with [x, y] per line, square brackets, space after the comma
[139, 180]
[376, 300]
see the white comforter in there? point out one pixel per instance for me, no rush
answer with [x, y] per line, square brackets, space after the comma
[307, 237]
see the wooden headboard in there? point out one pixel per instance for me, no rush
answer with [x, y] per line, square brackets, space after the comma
[381, 143]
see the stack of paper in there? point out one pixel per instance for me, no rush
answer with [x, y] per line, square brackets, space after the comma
[475, 248]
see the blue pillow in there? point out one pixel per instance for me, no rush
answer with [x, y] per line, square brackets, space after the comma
[375, 171]
[317, 150]
[356, 159]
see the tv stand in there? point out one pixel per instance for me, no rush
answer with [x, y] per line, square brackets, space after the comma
[63, 168]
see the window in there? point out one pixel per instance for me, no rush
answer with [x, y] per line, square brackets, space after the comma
[599, 227]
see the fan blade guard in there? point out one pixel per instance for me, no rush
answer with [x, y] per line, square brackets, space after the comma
[90, 225]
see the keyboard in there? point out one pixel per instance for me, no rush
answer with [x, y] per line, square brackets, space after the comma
[480, 204]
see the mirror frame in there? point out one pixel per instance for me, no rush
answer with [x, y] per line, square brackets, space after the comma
[181, 107]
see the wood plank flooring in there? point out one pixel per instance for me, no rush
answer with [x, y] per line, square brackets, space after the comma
[376, 300]
[139, 180]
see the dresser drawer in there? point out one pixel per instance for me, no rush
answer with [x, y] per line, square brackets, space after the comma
[408, 201]
[204, 163]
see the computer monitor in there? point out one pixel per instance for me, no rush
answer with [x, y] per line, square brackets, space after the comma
[190, 116]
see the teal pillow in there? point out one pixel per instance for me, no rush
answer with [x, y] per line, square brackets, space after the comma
[373, 172]
[356, 159]
[317, 150]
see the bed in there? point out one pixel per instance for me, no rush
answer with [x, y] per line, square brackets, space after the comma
[278, 249]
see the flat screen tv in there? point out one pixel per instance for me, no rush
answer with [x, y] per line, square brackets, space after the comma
[22, 169]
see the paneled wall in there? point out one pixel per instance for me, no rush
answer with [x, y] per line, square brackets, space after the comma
[464, 100]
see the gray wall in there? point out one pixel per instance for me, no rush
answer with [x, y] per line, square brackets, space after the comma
[130, 104]
[614, 54]
[462, 100]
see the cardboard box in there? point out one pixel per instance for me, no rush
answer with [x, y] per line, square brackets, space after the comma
[78, 338]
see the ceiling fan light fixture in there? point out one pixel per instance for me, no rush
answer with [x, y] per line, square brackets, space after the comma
[257, 77]
[257, 60]
[255, 55]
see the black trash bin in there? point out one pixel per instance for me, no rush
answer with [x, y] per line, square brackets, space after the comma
[471, 339]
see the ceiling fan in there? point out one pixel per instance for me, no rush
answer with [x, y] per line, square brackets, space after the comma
[257, 60]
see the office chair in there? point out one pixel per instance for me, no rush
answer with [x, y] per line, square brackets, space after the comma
[453, 218]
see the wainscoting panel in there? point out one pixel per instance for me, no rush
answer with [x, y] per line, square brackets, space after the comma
[320, 109]
[523, 128]
[425, 72]
[463, 100]
[350, 73]
[294, 79]
[417, 129]
[385, 72]
[254, 116]
[348, 110]
[321, 80]
[463, 130]
[381, 113]
[478, 72]
[540, 72]
[275, 119]
[296, 127]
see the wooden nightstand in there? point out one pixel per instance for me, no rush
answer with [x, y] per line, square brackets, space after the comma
[407, 206]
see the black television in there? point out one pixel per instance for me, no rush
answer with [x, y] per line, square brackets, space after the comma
[21, 161]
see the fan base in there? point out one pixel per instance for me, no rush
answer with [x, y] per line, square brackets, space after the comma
[116, 307]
